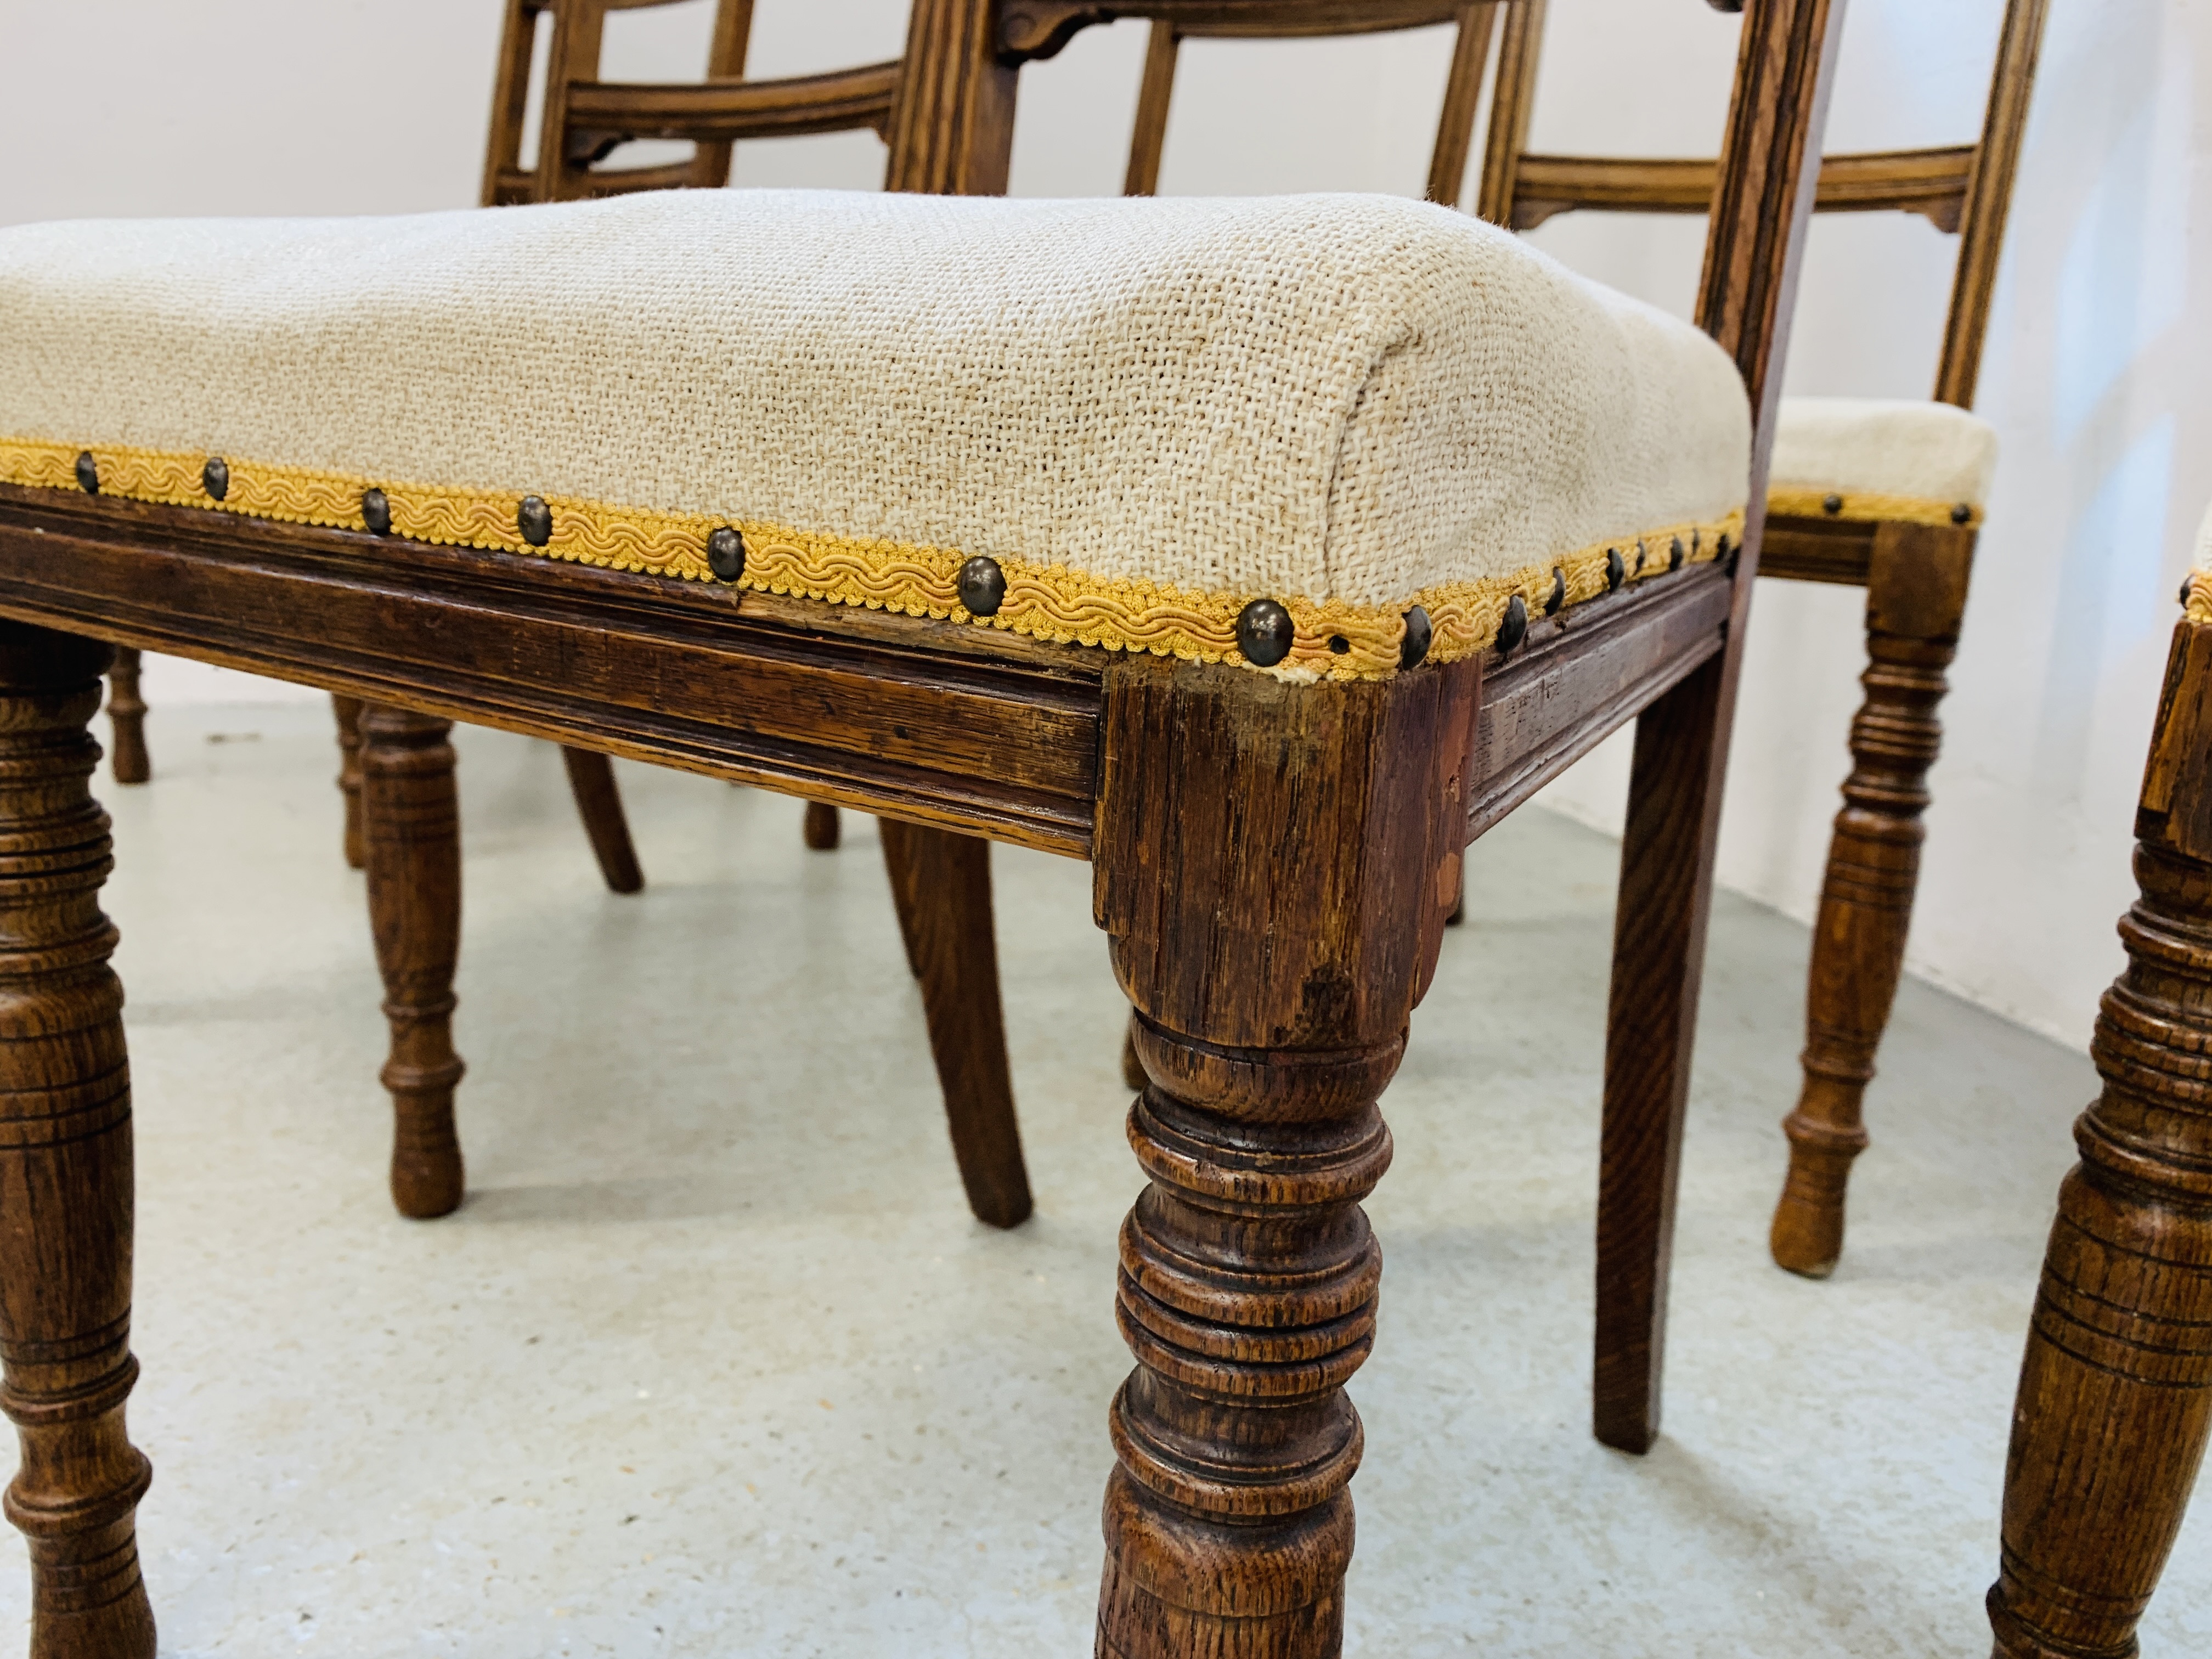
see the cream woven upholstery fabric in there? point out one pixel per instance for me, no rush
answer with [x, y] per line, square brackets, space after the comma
[1342, 397]
[1881, 448]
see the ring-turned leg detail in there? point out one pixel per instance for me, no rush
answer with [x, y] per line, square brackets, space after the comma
[2115, 1400]
[415, 912]
[1915, 595]
[347, 712]
[126, 715]
[1247, 1291]
[65, 1166]
[1274, 867]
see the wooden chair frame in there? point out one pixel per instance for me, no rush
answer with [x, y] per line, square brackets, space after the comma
[2115, 1403]
[1916, 575]
[1249, 839]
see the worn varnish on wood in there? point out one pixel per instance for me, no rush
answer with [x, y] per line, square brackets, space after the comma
[2115, 1400]
[65, 1166]
[1273, 864]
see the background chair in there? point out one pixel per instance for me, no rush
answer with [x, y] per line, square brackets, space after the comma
[1884, 496]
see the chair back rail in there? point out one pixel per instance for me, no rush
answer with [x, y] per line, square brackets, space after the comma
[1962, 189]
[715, 112]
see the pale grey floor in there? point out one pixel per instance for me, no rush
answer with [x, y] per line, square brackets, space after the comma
[714, 1362]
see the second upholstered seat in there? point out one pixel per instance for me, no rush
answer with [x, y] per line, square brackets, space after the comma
[1882, 459]
[1147, 414]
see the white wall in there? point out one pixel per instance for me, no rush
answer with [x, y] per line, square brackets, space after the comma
[251, 106]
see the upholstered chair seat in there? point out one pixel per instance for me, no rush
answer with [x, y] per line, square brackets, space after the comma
[1881, 460]
[1121, 422]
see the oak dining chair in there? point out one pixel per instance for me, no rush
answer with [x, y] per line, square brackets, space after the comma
[2115, 1400]
[1883, 494]
[1267, 630]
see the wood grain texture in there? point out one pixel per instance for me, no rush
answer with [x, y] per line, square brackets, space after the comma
[347, 712]
[2115, 1400]
[952, 123]
[1988, 202]
[900, 715]
[414, 914]
[1581, 676]
[598, 804]
[1658, 965]
[1462, 97]
[1275, 866]
[1031, 29]
[1148, 137]
[1817, 550]
[1914, 605]
[941, 882]
[585, 120]
[126, 719]
[65, 1166]
[1932, 183]
[713, 113]
[507, 174]
[1754, 248]
[1512, 106]
[727, 49]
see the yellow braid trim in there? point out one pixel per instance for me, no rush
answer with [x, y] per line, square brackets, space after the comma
[1799, 501]
[2196, 598]
[1043, 602]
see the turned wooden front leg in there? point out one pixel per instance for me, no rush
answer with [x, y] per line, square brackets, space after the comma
[1247, 1291]
[2116, 1387]
[415, 912]
[1915, 595]
[1274, 866]
[126, 715]
[65, 1171]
